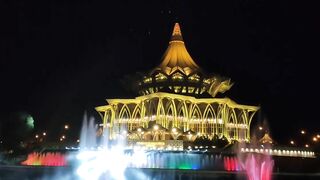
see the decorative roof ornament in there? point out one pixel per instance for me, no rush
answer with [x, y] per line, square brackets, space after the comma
[176, 33]
[266, 139]
[176, 56]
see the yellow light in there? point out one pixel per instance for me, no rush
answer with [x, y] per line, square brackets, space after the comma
[307, 145]
[260, 128]
[292, 142]
[139, 129]
[318, 135]
[314, 139]
[303, 132]
[37, 136]
[174, 130]
[44, 133]
[66, 126]
[155, 127]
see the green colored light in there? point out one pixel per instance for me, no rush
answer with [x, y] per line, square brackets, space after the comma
[185, 166]
[30, 121]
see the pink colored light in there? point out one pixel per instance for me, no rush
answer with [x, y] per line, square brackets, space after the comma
[231, 164]
[45, 159]
[258, 167]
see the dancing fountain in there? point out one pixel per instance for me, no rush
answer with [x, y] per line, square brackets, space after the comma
[101, 158]
[258, 167]
[105, 158]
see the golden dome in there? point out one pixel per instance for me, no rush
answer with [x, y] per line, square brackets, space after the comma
[176, 57]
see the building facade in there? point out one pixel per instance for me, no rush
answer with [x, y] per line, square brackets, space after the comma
[178, 102]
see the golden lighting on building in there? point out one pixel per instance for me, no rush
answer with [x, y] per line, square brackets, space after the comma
[178, 101]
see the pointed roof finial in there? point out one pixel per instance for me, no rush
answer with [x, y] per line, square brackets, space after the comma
[176, 56]
[176, 34]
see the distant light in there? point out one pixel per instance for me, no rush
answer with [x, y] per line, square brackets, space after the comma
[139, 129]
[198, 134]
[260, 128]
[307, 145]
[61, 139]
[303, 132]
[78, 140]
[155, 127]
[30, 121]
[318, 135]
[44, 133]
[292, 142]
[174, 130]
[37, 136]
[63, 136]
[66, 126]
[314, 139]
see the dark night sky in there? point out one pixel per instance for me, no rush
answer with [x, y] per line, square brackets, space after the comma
[59, 59]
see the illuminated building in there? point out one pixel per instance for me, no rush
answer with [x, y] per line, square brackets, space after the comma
[178, 102]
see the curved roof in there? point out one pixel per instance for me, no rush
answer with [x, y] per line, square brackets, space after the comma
[176, 57]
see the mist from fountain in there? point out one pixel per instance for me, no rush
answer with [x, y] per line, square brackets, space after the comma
[104, 160]
[257, 166]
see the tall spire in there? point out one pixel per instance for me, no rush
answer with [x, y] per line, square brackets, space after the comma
[176, 34]
[176, 56]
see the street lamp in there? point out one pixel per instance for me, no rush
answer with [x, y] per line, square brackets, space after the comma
[260, 128]
[37, 136]
[315, 139]
[303, 132]
[292, 142]
[307, 145]
[66, 126]
[44, 133]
